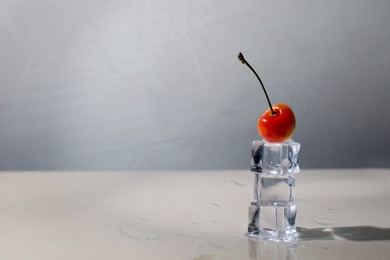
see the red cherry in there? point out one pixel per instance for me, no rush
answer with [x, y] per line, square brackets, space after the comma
[278, 126]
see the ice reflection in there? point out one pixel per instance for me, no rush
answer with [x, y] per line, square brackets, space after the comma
[262, 249]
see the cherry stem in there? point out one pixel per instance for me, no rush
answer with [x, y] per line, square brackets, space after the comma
[243, 61]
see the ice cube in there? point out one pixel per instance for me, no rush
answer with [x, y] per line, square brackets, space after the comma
[275, 158]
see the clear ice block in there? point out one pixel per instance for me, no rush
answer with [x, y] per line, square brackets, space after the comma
[272, 213]
[275, 158]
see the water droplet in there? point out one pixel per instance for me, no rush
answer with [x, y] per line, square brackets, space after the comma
[305, 199]
[323, 221]
[186, 232]
[204, 245]
[239, 183]
[197, 222]
[201, 257]
[136, 234]
[226, 242]
[218, 204]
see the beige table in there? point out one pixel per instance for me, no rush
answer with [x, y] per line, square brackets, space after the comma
[342, 214]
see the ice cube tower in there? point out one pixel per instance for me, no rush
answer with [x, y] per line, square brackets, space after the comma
[273, 211]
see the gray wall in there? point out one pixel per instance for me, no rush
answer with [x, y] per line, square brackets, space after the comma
[147, 85]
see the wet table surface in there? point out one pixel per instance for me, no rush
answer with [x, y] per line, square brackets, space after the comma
[342, 214]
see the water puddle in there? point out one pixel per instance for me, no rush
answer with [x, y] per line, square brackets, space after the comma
[295, 247]
[315, 234]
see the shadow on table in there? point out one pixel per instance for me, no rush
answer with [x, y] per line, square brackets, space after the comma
[261, 249]
[356, 233]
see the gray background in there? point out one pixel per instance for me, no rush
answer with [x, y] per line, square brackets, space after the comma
[156, 85]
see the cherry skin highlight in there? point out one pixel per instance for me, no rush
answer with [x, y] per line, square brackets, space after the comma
[279, 126]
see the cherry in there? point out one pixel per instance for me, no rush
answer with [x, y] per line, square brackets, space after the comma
[277, 127]
[277, 123]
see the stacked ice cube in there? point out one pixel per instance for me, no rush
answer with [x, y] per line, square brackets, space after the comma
[273, 211]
